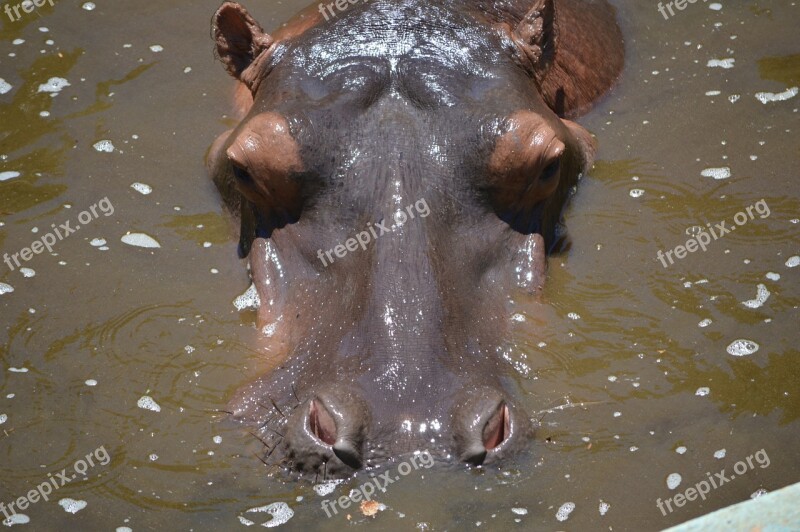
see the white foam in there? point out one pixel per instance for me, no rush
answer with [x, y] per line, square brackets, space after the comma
[703, 391]
[3, 418]
[772, 276]
[104, 146]
[636, 193]
[761, 298]
[520, 511]
[680, 450]
[98, 242]
[793, 262]
[719, 455]
[217, 439]
[88, 6]
[717, 173]
[603, 508]
[53, 85]
[741, 348]
[673, 480]
[18, 370]
[90, 382]
[758, 493]
[17, 519]
[574, 316]
[326, 488]
[716, 6]
[4, 85]
[148, 403]
[767, 97]
[141, 188]
[5, 176]
[705, 323]
[713, 93]
[5, 288]
[247, 300]
[279, 511]
[72, 506]
[27, 272]
[721, 63]
[156, 48]
[140, 240]
[563, 512]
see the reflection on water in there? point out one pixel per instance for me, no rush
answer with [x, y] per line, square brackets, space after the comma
[612, 357]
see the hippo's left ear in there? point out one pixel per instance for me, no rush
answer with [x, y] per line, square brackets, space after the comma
[536, 36]
[242, 45]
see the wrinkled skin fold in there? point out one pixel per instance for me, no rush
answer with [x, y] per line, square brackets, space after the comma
[439, 130]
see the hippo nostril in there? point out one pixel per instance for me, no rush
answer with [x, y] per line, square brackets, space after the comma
[347, 453]
[321, 423]
[497, 428]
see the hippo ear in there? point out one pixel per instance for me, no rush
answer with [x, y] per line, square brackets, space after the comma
[536, 36]
[242, 45]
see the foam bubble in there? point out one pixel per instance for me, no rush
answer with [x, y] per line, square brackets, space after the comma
[673, 480]
[741, 348]
[761, 297]
[793, 262]
[520, 511]
[703, 391]
[142, 188]
[88, 6]
[5, 288]
[717, 173]
[721, 63]
[156, 48]
[247, 300]
[758, 493]
[326, 488]
[27, 272]
[636, 193]
[719, 455]
[767, 97]
[53, 85]
[147, 403]
[104, 146]
[603, 508]
[140, 240]
[680, 450]
[5, 176]
[279, 511]
[772, 276]
[563, 512]
[72, 506]
[4, 85]
[17, 519]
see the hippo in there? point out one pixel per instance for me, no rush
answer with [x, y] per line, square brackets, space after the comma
[398, 173]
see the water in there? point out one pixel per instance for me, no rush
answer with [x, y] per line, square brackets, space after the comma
[611, 357]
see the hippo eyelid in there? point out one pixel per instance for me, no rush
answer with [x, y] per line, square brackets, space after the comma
[240, 173]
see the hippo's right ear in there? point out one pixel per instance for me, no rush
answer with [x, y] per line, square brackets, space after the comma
[242, 45]
[536, 36]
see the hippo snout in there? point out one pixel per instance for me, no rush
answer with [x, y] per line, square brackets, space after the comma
[335, 431]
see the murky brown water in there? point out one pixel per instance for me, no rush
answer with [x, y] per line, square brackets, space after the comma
[616, 330]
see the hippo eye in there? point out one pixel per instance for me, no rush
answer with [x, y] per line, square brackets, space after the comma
[551, 170]
[242, 175]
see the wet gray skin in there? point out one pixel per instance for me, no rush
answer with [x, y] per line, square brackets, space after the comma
[426, 121]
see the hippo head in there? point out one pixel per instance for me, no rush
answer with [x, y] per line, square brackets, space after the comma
[399, 177]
